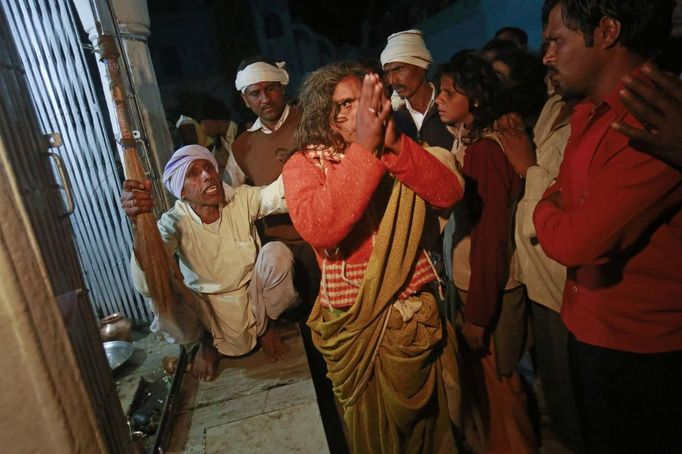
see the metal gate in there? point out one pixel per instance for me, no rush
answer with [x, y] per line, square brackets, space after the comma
[26, 159]
[65, 94]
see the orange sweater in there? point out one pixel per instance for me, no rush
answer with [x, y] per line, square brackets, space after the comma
[337, 210]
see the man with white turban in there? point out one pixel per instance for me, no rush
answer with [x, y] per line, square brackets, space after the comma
[238, 285]
[191, 132]
[262, 150]
[405, 60]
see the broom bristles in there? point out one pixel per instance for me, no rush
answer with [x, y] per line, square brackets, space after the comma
[156, 264]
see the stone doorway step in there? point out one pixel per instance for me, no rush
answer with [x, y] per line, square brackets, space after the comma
[253, 406]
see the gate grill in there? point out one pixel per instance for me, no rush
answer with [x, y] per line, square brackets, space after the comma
[47, 34]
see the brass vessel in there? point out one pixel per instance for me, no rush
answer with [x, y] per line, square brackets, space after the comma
[115, 327]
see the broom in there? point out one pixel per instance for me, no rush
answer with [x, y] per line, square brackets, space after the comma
[161, 272]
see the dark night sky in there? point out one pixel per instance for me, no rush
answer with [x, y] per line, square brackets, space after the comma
[177, 32]
[341, 21]
[340, 24]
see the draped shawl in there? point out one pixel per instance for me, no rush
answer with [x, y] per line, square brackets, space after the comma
[393, 363]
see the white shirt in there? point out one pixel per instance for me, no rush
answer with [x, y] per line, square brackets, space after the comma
[233, 174]
[217, 259]
[417, 116]
[258, 124]
[544, 278]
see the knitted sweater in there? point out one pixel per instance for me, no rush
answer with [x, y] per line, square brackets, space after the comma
[260, 156]
[257, 153]
[337, 207]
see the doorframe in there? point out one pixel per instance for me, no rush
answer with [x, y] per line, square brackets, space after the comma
[44, 397]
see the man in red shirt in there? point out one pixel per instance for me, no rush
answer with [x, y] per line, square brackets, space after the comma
[613, 219]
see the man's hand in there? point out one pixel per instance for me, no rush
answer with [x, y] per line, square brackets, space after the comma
[515, 142]
[372, 115]
[554, 198]
[392, 140]
[476, 337]
[659, 109]
[392, 137]
[136, 198]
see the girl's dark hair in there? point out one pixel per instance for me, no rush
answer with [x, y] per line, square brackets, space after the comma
[473, 75]
[520, 34]
[315, 100]
[524, 90]
[496, 46]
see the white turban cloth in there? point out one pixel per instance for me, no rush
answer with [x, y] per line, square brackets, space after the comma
[176, 169]
[407, 47]
[261, 72]
[201, 135]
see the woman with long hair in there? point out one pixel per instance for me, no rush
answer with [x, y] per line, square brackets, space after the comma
[357, 192]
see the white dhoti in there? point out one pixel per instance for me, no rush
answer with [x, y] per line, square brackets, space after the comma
[236, 320]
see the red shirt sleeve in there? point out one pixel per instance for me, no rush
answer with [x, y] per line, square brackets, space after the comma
[325, 207]
[496, 185]
[630, 192]
[420, 171]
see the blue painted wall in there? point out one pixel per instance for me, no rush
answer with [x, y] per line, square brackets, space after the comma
[471, 23]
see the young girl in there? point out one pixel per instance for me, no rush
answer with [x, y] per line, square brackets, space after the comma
[493, 314]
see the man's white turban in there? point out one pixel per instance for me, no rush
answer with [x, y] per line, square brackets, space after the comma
[176, 169]
[201, 135]
[261, 72]
[407, 47]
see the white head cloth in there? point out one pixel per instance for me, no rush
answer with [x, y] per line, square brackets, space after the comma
[407, 47]
[201, 135]
[261, 72]
[174, 173]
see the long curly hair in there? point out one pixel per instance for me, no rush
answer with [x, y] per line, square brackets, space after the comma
[318, 109]
[475, 77]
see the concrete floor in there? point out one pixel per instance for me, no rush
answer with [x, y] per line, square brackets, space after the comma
[254, 406]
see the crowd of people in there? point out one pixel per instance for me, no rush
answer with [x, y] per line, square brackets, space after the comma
[436, 232]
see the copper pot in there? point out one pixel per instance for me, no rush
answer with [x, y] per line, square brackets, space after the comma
[115, 327]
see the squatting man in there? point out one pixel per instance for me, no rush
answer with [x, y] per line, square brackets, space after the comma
[237, 285]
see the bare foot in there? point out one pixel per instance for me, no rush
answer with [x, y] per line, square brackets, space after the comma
[204, 365]
[273, 346]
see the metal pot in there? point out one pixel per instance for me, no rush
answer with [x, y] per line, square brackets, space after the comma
[137, 442]
[115, 327]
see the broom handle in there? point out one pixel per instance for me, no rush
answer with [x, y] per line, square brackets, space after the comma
[152, 253]
[110, 56]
